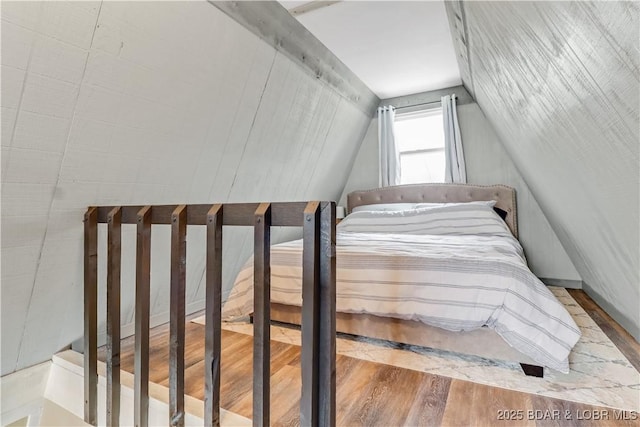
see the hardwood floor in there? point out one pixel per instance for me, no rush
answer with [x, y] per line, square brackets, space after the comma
[374, 394]
[621, 338]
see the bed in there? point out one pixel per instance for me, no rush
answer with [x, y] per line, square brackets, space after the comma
[431, 265]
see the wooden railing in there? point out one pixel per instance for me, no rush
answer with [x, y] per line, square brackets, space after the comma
[317, 405]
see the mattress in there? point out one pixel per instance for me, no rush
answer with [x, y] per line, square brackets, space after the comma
[457, 268]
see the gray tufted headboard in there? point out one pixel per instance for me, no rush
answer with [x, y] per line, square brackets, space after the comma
[504, 196]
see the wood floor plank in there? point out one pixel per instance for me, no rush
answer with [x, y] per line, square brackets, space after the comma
[549, 412]
[616, 333]
[236, 375]
[344, 366]
[477, 404]
[385, 399]
[428, 406]
[501, 407]
[286, 381]
[378, 390]
[458, 411]
[349, 391]
[370, 394]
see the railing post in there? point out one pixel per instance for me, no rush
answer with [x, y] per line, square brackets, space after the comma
[177, 315]
[318, 403]
[143, 283]
[213, 319]
[262, 316]
[310, 315]
[113, 316]
[327, 338]
[91, 316]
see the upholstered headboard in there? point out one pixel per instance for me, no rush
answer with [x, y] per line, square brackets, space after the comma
[504, 196]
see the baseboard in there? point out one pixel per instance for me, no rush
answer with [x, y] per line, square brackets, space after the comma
[628, 324]
[563, 283]
[129, 329]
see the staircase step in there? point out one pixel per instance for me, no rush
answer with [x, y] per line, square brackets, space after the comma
[66, 388]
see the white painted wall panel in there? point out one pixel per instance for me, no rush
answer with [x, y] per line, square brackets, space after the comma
[365, 171]
[14, 314]
[335, 162]
[318, 135]
[56, 59]
[69, 22]
[16, 45]
[488, 163]
[559, 81]
[133, 103]
[12, 86]
[33, 166]
[8, 122]
[40, 132]
[22, 14]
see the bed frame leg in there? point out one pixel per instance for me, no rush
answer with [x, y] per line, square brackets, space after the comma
[251, 319]
[532, 370]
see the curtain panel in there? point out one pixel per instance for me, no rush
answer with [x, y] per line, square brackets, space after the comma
[388, 152]
[454, 156]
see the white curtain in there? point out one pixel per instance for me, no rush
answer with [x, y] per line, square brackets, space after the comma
[454, 156]
[389, 154]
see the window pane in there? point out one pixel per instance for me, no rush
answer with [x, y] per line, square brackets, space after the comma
[422, 131]
[422, 167]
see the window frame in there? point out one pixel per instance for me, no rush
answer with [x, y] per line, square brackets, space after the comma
[412, 114]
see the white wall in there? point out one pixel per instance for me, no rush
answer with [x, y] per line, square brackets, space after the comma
[365, 171]
[487, 163]
[144, 103]
[559, 81]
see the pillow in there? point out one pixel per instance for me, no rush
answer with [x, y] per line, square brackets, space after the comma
[385, 207]
[501, 212]
[490, 203]
[408, 206]
[430, 205]
[450, 219]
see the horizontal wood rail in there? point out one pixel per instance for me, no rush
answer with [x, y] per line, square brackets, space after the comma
[317, 406]
[282, 214]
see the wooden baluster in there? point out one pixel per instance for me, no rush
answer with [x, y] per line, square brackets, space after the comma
[91, 316]
[262, 316]
[113, 316]
[318, 402]
[327, 339]
[177, 315]
[143, 283]
[213, 322]
[310, 315]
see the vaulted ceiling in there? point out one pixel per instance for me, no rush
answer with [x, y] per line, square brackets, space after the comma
[395, 47]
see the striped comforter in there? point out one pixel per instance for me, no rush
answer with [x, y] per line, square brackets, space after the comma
[455, 267]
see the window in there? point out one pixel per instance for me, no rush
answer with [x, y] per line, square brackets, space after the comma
[420, 140]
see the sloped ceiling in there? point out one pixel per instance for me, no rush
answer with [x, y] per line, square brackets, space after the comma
[559, 81]
[115, 103]
[395, 47]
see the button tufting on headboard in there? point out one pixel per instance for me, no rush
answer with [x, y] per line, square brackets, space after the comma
[504, 196]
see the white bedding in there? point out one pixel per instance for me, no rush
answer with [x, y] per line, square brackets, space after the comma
[455, 267]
